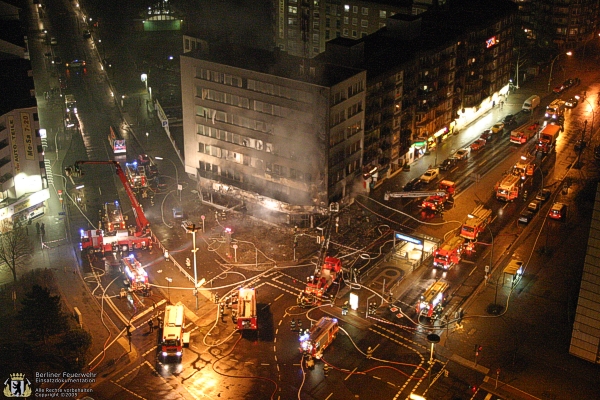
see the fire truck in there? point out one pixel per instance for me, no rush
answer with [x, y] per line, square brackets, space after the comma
[173, 338]
[246, 309]
[317, 286]
[137, 278]
[523, 133]
[431, 302]
[525, 167]
[476, 222]
[508, 188]
[548, 137]
[113, 217]
[449, 253]
[136, 175]
[100, 241]
[319, 337]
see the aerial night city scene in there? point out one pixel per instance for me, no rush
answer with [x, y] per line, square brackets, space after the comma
[300, 199]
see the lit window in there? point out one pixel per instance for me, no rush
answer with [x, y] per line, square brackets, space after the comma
[293, 10]
[364, 11]
[346, 20]
[345, 32]
[382, 13]
[347, 8]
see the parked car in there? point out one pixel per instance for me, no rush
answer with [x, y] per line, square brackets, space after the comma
[448, 163]
[525, 216]
[534, 206]
[558, 211]
[580, 145]
[413, 184]
[543, 195]
[430, 175]
[572, 102]
[559, 89]
[510, 119]
[497, 128]
[76, 64]
[568, 83]
[461, 154]
[478, 144]
[487, 135]
[177, 212]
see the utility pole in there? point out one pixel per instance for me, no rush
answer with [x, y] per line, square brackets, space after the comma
[192, 229]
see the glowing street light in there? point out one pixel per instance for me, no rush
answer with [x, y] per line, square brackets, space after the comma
[552, 66]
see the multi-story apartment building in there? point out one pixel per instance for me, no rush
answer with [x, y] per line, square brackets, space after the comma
[23, 180]
[567, 24]
[428, 74]
[272, 128]
[302, 27]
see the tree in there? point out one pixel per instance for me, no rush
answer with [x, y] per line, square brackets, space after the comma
[15, 250]
[74, 347]
[42, 314]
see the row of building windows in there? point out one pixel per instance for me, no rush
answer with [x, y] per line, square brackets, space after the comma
[343, 115]
[226, 136]
[363, 22]
[337, 176]
[233, 119]
[270, 168]
[280, 91]
[338, 136]
[218, 77]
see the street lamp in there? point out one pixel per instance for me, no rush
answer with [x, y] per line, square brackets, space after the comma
[552, 66]
[192, 229]
[169, 280]
[144, 78]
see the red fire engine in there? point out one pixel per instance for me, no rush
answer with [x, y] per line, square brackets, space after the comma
[173, 338]
[136, 175]
[431, 302]
[319, 337]
[548, 137]
[137, 278]
[100, 241]
[246, 309]
[449, 253]
[476, 222]
[508, 188]
[317, 286]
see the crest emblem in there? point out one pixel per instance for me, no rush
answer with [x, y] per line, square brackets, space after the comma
[17, 386]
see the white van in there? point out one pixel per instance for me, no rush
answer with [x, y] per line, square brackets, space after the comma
[531, 103]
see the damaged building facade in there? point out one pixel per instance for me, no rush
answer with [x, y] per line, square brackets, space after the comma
[272, 129]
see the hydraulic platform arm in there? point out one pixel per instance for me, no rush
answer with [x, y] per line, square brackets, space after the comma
[398, 195]
[140, 217]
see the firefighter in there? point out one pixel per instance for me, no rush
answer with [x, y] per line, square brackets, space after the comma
[188, 263]
[369, 352]
[151, 325]
[299, 324]
[166, 255]
[293, 324]
[159, 322]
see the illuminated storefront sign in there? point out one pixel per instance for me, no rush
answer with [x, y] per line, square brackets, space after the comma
[27, 136]
[13, 143]
[281, 19]
[491, 42]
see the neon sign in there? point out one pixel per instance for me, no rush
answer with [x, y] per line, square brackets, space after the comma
[491, 42]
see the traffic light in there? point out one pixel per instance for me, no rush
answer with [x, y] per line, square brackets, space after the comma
[473, 389]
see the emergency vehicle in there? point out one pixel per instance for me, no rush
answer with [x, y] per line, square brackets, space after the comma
[246, 309]
[137, 278]
[106, 241]
[136, 175]
[522, 134]
[173, 338]
[319, 337]
[449, 253]
[113, 217]
[437, 201]
[555, 109]
[431, 302]
[476, 222]
[525, 167]
[508, 188]
[448, 186]
[330, 272]
[548, 137]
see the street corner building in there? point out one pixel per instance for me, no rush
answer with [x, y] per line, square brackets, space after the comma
[272, 129]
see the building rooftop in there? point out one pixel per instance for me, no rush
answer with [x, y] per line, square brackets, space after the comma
[407, 35]
[276, 63]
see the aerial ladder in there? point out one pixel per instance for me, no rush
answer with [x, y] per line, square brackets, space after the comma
[399, 195]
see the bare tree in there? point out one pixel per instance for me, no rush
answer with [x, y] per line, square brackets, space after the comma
[15, 250]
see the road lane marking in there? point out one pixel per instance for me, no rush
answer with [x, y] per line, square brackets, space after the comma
[350, 374]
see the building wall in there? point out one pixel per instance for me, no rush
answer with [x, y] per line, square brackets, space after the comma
[566, 23]
[22, 168]
[270, 135]
[303, 27]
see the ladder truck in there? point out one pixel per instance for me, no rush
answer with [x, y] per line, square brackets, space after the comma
[137, 277]
[100, 241]
[319, 337]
